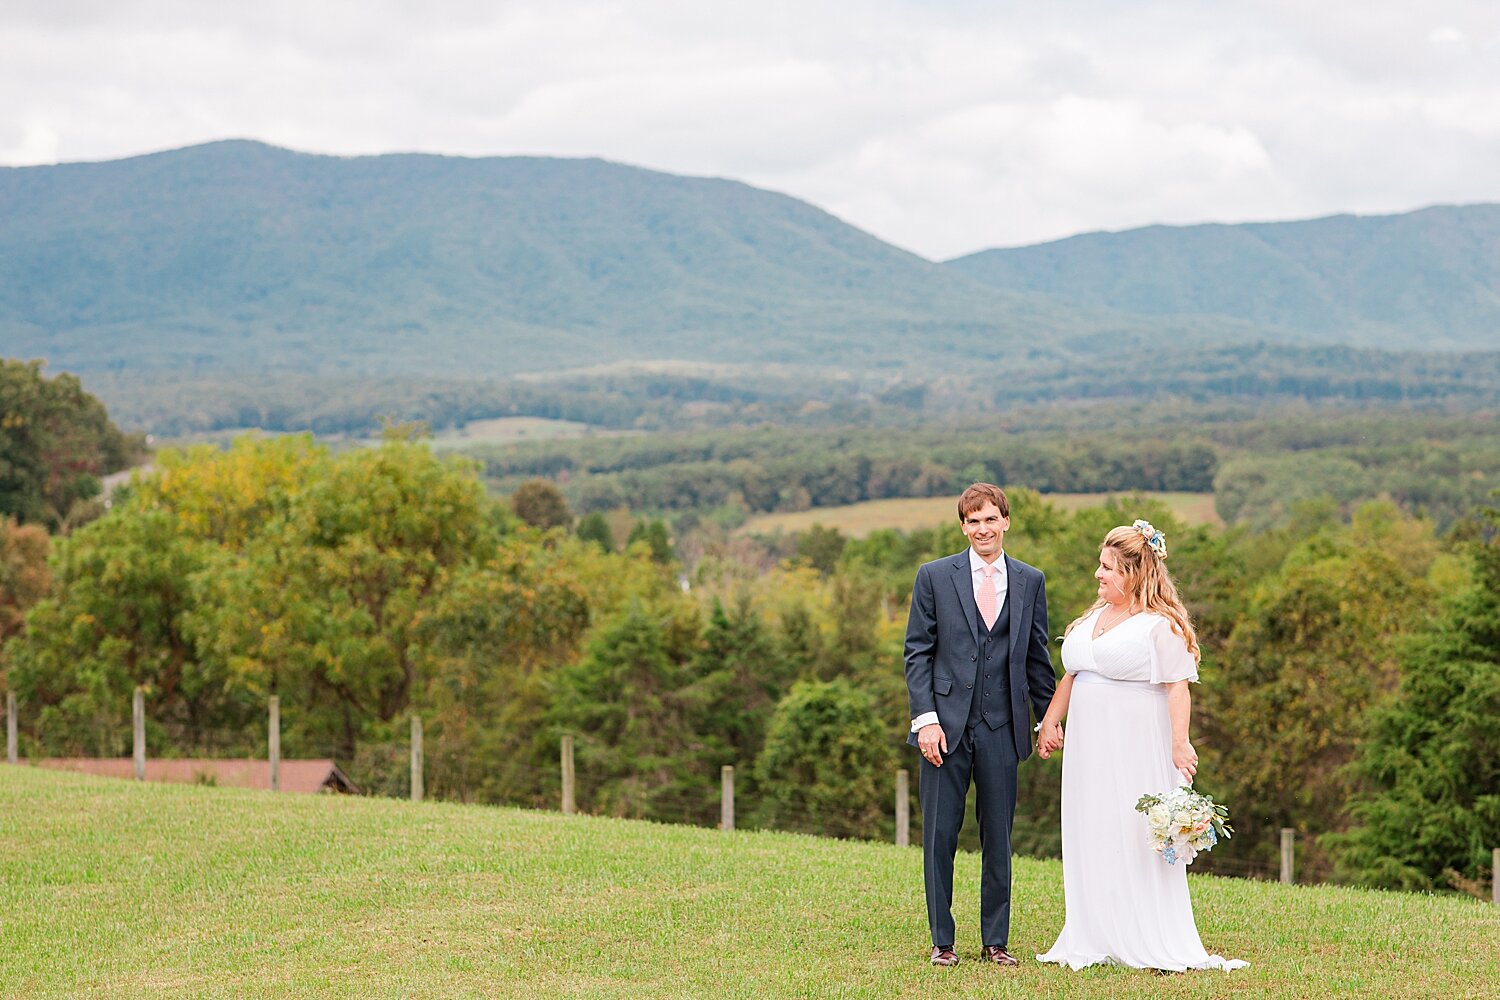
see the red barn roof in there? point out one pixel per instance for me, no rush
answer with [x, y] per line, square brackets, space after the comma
[296, 775]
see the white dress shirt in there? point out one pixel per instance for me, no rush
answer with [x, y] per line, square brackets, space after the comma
[1000, 582]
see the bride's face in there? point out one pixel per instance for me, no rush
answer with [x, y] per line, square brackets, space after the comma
[1111, 580]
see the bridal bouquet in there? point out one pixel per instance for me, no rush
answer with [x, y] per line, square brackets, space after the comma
[1184, 822]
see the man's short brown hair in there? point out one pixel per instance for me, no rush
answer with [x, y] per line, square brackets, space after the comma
[978, 495]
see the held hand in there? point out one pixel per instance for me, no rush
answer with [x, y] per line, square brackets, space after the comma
[1049, 740]
[933, 743]
[1185, 758]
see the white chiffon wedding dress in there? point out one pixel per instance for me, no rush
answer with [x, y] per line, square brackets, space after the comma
[1125, 905]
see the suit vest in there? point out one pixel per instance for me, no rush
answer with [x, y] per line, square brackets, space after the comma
[991, 703]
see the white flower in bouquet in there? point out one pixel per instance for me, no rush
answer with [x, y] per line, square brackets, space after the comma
[1184, 823]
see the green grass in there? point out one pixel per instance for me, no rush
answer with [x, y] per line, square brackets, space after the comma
[110, 888]
[909, 514]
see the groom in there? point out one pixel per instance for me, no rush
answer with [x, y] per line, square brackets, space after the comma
[976, 655]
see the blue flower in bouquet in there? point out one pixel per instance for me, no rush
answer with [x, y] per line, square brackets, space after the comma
[1184, 822]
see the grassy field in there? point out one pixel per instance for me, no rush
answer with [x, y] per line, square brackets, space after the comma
[510, 430]
[500, 430]
[858, 520]
[112, 888]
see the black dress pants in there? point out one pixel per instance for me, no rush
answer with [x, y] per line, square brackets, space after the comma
[988, 757]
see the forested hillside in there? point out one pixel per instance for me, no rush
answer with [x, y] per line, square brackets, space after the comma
[1428, 278]
[241, 256]
[237, 284]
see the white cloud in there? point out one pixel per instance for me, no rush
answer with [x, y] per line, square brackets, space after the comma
[943, 127]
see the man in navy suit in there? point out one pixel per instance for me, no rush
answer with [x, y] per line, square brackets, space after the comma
[976, 657]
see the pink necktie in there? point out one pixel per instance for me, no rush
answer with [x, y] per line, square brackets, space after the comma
[987, 609]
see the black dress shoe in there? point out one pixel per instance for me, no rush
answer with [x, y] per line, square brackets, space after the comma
[944, 956]
[996, 953]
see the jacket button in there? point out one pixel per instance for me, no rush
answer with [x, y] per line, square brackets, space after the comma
[972, 658]
[968, 685]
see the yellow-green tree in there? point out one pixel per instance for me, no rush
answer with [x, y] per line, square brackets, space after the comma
[1282, 714]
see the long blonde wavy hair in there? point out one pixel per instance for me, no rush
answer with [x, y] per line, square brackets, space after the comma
[1147, 583]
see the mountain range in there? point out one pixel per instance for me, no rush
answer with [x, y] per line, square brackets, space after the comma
[241, 257]
[1428, 279]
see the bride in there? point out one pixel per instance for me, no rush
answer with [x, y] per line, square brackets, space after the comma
[1128, 662]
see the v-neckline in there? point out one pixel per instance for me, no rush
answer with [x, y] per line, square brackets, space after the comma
[1096, 636]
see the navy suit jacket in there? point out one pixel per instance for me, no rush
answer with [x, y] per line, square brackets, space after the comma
[942, 646]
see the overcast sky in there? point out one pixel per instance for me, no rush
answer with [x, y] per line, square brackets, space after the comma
[943, 127]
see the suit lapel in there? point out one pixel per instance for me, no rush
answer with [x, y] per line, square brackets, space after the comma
[963, 582]
[1015, 597]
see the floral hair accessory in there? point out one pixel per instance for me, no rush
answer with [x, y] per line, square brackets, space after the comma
[1155, 540]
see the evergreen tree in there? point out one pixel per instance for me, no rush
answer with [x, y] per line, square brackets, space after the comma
[637, 749]
[595, 528]
[656, 538]
[1430, 813]
[740, 678]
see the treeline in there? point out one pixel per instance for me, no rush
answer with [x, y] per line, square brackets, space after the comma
[1258, 468]
[1273, 372]
[1350, 678]
[341, 404]
[858, 442]
[1200, 382]
[1439, 467]
[775, 469]
[363, 586]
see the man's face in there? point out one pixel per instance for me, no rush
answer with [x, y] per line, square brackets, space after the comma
[986, 530]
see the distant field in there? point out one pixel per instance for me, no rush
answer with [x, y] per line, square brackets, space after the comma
[113, 888]
[858, 520]
[508, 430]
[501, 430]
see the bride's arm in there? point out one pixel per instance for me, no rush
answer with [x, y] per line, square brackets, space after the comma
[1180, 711]
[1051, 736]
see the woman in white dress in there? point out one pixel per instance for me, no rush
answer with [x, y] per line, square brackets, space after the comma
[1128, 662]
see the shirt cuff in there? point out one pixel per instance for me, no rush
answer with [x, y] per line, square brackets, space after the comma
[925, 719]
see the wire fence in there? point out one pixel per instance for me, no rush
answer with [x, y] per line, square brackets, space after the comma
[401, 766]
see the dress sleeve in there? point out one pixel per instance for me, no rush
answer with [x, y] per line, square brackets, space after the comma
[1170, 659]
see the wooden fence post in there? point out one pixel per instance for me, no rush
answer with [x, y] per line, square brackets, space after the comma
[416, 758]
[10, 726]
[138, 717]
[567, 775]
[726, 797]
[903, 808]
[1287, 837]
[273, 742]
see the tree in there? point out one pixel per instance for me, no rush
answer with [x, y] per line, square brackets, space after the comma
[348, 585]
[828, 763]
[56, 441]
[654, 534]
[540, 504]
[635, 735]
[24, 576]
[116, 619]
[595, 528]
[497, 630]
[740, 678]
[1429, 811]
[1283, 711]
[821, 547]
